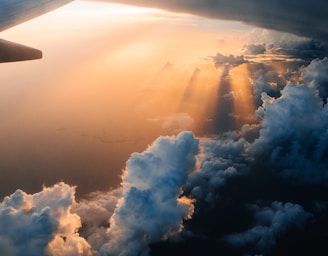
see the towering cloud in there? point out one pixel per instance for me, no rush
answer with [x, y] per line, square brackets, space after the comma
[293, 137]
[152, 208]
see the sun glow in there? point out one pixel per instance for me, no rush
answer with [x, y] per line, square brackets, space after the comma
[150, 133]
[243, 98]
[99, 8]
[111, 75]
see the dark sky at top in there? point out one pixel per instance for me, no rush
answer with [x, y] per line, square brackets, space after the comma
[301, 17]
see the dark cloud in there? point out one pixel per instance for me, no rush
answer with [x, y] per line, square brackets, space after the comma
[218, 165]
[316, 75]
[272, 44]
[306, 49]
[266, 194]
[231, 60]
[254, 49]
[270, 223]
[291, 112]
[304, 18]
[286, 122]
[266, 82]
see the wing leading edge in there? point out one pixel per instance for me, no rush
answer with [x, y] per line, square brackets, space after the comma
[11, 52]
[14, 12]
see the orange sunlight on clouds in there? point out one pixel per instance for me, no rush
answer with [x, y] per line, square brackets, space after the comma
[113, 78]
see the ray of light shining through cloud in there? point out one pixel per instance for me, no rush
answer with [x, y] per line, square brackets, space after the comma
[166, 128]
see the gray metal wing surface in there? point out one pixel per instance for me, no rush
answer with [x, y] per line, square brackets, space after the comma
[15, 12]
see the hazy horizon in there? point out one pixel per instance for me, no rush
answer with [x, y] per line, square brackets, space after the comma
[181, 131]
[65, 106]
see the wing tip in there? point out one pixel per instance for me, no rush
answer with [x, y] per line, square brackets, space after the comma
[13, 52]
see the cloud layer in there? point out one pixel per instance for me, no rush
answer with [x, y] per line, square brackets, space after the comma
[149, 208]
[269, 224]
[304, 18]
[257, 190]
[41, 224]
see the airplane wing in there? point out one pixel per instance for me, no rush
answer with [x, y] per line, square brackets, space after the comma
[11, 52]
[14, 12]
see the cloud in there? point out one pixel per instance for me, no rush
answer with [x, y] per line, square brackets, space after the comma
[172, 190]
[41, 223]
[282, 164]
[266, 82]
[303, 18]
[148, 207]
[254, 49]
[238, 192]
[216, 167]
[297, 48]
[316, 75]
[95, 212]
[231, 60]
[271, 223]
[286, 121]
[152, 207]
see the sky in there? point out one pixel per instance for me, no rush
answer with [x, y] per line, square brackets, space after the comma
[194, 128]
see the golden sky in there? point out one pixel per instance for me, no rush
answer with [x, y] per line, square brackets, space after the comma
[113, 78]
